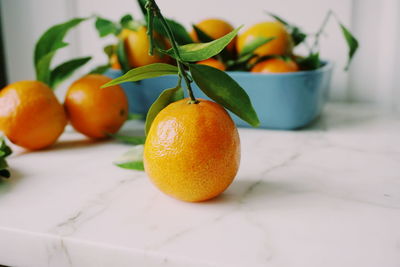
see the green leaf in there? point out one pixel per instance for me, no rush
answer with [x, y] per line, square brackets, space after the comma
[145, 72]
[109, 50]
[135, 116]
[298, 36]
[122, 57]
[201, 35]
[4, 148]
[133, 140]
[167, 97]
[220, 87]
[5, 151]
[105, 27]
[276, 17]
[5, 173]
[48, 44]
[201, 51]
[352, 44]
[126, 19]
[133, 159]
[311, 62]
[65, 70]
[251, 46]
[181, 35]
[100, 69]
[142, 5]
[127, 22]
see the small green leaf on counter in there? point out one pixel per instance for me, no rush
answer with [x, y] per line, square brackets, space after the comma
[135, 116]
[133, 159]
[167, 97]
[5, 151]
[201, 51]
[65, 70]
[220, 87]
[145, 72]
[133, 140]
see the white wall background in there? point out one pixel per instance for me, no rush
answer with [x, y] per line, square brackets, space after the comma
[373, 76]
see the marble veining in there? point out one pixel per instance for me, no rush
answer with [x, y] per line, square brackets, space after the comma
[327, 195]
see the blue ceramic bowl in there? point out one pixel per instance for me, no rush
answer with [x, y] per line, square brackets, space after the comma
[282, 101]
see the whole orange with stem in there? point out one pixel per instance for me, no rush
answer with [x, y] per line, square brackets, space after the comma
[137, 47]
[281, 45]
[212, 63]
[192, 151]
[30, 114]
[93, 111]
[276, 65]
[215, 28]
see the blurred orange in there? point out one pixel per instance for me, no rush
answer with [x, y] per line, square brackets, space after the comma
[94, 111]
[275, 65]
[212, 63]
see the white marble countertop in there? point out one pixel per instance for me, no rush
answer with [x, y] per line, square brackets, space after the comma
[324, 196]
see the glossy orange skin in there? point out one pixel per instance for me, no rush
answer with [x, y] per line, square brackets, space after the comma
[192, 151]
[30, 115]
[94, 111]
[137, 48]
[215, 28]
[275, 65]
[212, 63]
[282, 44]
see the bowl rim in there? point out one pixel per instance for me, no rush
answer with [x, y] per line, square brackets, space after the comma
[328, 66]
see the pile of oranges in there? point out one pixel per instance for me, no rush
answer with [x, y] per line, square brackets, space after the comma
[273, 57]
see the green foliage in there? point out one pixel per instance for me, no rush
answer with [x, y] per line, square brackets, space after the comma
[133, 140]
[145, 72]
[105, 27]
[251, 46]
[122, 57]
[311, 62]
[133, 159]
[201, 51]
[5, 151]
[167, 97]
[221, 88]
[45, 49]
[65, 70]
[181, 35]
[352, 43]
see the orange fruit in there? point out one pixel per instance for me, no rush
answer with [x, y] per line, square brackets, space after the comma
[114, 63]
[30, 114]
[94, 111]
[137, 47]
[275, 65]
[192, 151]
[212, 63]
[281, 45]
[215, 28]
